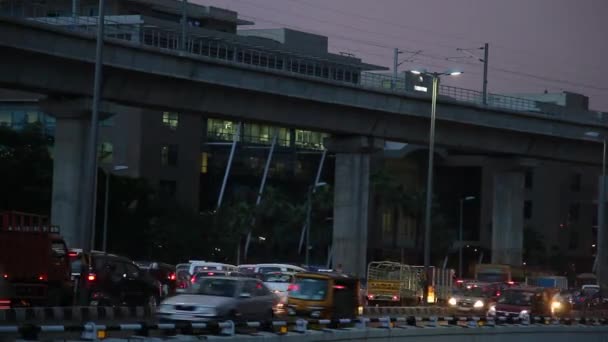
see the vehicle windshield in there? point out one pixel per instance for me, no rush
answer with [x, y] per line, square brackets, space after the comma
[215, 287]
[309, 289]
[516, 298]
[277, 278]
[472, 292]
[210, 274]
[589, 291]
[76, 264]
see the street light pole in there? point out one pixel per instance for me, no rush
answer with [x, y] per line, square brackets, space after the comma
[429, 177]
[601, 230]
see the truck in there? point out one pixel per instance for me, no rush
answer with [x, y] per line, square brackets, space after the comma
[34, 263]
[493, 273]
[557, 282]
[391, 283]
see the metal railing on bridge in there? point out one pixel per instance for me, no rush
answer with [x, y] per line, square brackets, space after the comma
[132, 28]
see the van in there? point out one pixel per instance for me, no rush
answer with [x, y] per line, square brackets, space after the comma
[197, 266]
[266, 268]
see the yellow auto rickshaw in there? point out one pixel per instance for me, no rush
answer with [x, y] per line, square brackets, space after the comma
[324, 295]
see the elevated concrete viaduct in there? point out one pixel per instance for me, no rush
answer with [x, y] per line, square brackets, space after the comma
[58, 62]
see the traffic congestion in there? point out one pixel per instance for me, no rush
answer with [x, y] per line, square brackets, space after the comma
[200, 290]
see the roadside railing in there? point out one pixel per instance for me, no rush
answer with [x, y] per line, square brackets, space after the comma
[132, 28]
[93, 331]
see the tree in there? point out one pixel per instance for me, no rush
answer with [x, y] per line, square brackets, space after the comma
[26, 169]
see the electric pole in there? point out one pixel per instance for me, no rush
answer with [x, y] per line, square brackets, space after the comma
[484, 60]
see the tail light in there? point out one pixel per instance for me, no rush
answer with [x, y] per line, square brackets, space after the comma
[42, 277]
[511, 282]
[72, 254]
[171, 276]
[395, 298]
[5, 276]
[193, 279]
[370, 296]
[497, 293]
[5, 304]
[92, 277]
[293, 287]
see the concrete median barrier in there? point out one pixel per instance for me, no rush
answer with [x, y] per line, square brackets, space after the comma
[73, 314]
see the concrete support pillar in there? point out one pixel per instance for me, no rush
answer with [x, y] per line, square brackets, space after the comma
[351, 201]
[508, 218]
[72, 117]
[71, 134]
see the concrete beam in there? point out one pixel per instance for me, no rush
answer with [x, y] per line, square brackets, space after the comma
[147, 77]
[508, 218]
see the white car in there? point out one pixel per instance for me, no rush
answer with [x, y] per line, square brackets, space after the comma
[266, 268]
[220, 298]
[279, 283]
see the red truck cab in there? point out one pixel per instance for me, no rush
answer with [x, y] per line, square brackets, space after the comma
[34, 264]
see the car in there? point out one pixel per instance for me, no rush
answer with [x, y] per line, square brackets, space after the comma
[198, 276]
[473, 299]
[524, 301]
[279, 283]
[265, 268]
[163, 273]
[112, 280]
[220, 298]
[588, 297]
[196, 266]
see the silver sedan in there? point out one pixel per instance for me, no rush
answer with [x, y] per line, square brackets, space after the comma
[220, 298]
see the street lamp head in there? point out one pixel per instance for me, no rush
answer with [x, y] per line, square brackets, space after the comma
[594, 135]
[120, 167]
[469, 198]
[417, 71]
[454, 73]
[320, 184]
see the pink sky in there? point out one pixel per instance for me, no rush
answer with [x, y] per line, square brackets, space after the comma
[554, 44]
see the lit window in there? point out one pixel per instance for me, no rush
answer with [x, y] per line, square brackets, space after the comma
[171, 119]
[220, 129]
[106, 153]
[168, 155]
[204, 162]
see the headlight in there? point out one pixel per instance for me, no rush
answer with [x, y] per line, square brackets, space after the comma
[452, 301]
[492, 310]
[524, 314]
[556, 305]
[360, 310]
[478, 304]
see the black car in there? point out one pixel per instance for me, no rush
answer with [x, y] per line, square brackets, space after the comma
[163, 273]
[112, 280]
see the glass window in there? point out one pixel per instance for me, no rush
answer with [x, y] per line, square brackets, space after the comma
[309, 289]
[220, 129]
[277, 278]
[107, 122]
[5, 118]
[168, 155]
[171, 119]
[215, 287]
[106, 152]
[131, 270]
[204, 162]
[32, 117]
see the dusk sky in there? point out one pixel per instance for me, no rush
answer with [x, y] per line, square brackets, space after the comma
[535, 45]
